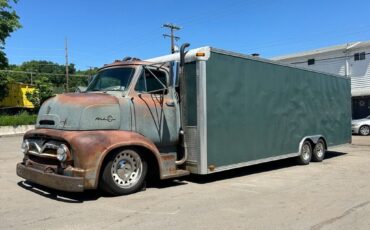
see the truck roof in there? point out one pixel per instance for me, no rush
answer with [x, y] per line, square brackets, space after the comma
[125, 63]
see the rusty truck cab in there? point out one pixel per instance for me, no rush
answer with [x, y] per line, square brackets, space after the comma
[124, 126]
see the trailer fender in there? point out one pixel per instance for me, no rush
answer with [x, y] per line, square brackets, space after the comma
[313, 139]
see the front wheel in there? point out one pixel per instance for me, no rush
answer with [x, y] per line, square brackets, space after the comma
[364, 130]
[124, 173]
[306, 153]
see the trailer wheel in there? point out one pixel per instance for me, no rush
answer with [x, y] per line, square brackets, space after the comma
[305, 153]
[364, 130]
[124, 173]
[318, 153]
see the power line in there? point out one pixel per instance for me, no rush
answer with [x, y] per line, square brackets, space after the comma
[41, 73]
[32, 49]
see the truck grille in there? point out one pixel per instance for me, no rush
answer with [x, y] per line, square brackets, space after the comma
[44, 161]
[42, 150]
[40, 146]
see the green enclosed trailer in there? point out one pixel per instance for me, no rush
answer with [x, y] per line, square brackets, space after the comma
[243, 110]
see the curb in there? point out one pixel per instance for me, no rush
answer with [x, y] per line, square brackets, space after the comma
[15, 130]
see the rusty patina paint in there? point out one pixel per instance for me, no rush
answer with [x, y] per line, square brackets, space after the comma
[155, 119]
[137, 119]
[89, 148]
[87, 99]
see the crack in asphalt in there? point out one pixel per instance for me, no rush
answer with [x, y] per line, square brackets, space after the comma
[334, 219]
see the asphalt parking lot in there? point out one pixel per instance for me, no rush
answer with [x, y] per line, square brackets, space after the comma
[334, 194]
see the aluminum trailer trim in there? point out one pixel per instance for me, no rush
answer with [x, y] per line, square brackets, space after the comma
[202, 115]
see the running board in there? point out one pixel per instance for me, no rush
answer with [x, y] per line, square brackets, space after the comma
[178, 173]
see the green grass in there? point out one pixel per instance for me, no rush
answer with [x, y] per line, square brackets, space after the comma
[23, 118]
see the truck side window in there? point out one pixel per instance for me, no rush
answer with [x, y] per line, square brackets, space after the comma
[147, 83]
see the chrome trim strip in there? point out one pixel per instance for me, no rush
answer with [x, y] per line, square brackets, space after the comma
[46, 155]
[202, 115]
[254, 162]
[313, 138]
[190, 56]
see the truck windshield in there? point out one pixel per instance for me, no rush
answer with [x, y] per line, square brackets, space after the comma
[114, 79]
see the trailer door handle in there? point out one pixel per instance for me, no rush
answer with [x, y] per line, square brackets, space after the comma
[170, 103]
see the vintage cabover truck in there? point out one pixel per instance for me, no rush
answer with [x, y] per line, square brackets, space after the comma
[221, 110]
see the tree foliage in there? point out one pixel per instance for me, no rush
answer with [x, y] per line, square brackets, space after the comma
[44, 90]
[9, 22]
[4, 81]
[48, 77]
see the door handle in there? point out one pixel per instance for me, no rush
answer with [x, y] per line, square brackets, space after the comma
[170, 103]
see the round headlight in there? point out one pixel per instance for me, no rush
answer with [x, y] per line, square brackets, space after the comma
[62, 153]
[25, 146]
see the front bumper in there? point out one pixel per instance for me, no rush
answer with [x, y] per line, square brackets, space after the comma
[51, 180]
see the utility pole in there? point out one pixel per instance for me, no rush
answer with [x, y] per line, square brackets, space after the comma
[67, 75]
[346, 67]
[172, 28]
[90, 74]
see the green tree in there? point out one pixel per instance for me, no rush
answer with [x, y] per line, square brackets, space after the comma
[9, 22]
[5, 79]
[44, 90]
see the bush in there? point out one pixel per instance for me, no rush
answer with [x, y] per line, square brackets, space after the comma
[23, 118]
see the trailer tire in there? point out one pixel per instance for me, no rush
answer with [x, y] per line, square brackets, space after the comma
[318, 153]
[364, 130]
[124, 173]
[305, 155]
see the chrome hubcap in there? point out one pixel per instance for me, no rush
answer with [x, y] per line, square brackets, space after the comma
[126, 169]
[319, 150]
[365, 130]
[306, 152]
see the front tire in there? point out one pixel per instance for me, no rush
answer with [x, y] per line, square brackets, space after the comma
[124, 173]
[364, 130]
[319, 150]
[305, 153]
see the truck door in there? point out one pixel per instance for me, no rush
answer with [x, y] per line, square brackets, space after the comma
[155, 110]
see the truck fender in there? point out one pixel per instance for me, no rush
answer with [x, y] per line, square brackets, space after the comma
[134, 141]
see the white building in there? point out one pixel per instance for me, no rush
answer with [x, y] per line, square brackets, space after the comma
[351, 59]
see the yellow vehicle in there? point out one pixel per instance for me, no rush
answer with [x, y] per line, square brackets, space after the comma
[17, 96]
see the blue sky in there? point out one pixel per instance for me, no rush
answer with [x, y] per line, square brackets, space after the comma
[101, 31]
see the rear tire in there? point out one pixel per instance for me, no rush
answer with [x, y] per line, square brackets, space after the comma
[124, 173]
[305, 153]
[319, 150]
[364, 130]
